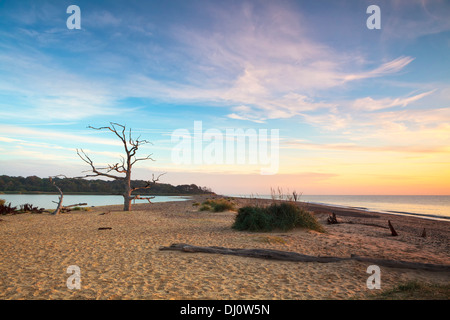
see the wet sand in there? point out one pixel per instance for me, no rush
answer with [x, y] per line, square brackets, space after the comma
[124, 262]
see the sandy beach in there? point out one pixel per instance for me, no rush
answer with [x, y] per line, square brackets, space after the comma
[124, 260]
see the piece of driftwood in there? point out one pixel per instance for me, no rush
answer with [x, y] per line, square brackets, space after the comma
[103, 213]
[66, 209]
[104, 228]
[255, 253]
[76, 205]
[391, 227]
[297, 257]
[332, 219]
[424, 233]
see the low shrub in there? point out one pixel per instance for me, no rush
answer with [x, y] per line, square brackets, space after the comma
[414, 290]
[217, 205]
[253, 218]
[27, 207]
[278, 216]
[80, 209]
[23, 208]
[205, 207]
[8, 209]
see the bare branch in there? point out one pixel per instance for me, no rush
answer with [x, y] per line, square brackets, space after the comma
[149, 157]
[88, 160]
[149, 183]
[113, 129]
[142, 198]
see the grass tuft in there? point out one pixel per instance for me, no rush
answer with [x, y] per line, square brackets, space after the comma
[217, 205]
[414, 290]
[278, 216]
[81, 209]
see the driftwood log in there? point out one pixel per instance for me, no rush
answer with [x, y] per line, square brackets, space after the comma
[297, 257]
[254, 253]
[332, 219]
[76, 205]
[424, 233]
[65, 209]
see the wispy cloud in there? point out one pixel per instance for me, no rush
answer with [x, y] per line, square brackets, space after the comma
[370, 104]
[260, 57]
[51, 93]
[387, 68]
[57, 136]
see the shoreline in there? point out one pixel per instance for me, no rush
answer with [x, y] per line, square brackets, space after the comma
[330, 206]
[392, 213]
[119, 254]
[348, 208]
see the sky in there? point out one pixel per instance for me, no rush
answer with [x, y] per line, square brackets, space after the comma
[329, 105]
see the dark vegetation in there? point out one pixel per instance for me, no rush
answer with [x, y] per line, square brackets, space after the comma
[8, 209]
[35, 184]
[282, 216]
[414, 290]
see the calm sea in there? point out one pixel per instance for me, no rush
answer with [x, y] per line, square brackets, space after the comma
[45, 200]
[437, 207]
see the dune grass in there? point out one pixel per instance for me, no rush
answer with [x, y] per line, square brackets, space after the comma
[81, 209]
[414, 290]
[217, 205]
[282, 216]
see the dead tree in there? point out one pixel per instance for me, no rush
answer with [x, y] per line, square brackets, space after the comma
[61, 196]
[124, 167]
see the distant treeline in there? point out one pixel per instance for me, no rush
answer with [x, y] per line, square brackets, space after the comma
[70, 185]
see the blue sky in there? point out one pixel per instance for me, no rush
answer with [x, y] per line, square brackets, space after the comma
[359, 111]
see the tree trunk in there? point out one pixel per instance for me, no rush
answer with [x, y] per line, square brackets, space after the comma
[127, 193]
[126, 203]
